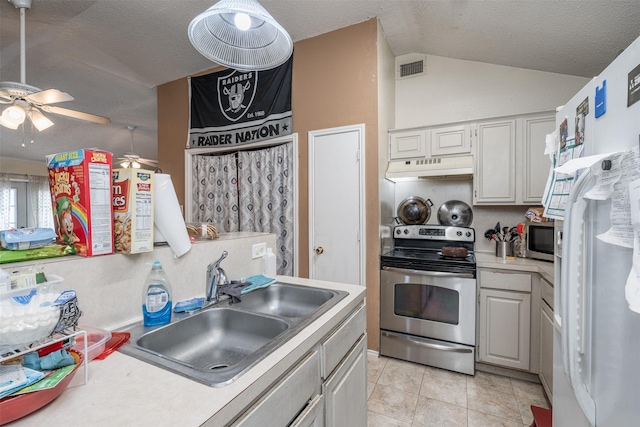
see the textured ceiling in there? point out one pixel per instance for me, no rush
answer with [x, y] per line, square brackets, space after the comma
[110, 54]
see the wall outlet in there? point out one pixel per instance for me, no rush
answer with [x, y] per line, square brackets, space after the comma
[258, 250]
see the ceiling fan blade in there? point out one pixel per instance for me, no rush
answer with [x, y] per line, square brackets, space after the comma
[39, 120]
[77, 114]
[49, 96]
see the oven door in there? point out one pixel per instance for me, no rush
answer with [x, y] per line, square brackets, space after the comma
[429, 304]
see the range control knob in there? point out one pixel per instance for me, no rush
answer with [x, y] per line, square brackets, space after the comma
[398, 231]
[459, 233]
[406, 231]
[468, 234]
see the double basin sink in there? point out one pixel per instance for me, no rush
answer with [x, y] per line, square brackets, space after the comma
[219, 343]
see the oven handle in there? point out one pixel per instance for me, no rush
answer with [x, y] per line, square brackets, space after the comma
[429, 273]
[434, 346]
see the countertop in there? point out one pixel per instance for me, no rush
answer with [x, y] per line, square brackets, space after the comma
[122, 390]
[489, 260]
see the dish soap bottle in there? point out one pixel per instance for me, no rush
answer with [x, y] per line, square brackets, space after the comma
[269, 264]
[156, 297]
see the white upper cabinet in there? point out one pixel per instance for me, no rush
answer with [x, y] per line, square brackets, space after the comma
[408, 144]
[511, 167]
[536, 164]
[430, 142]
[448, 140]
[495, 177]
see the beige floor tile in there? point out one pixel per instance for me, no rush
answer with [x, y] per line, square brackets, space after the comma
[484, 380]
[413, 368]
[375, 365]
[493, 402]
[445, 386]
[379, 420]
[430, 412]
[524, 405]
[479, 419]
[401, 378]
[370, 387]
[527, 390]
[393, 403]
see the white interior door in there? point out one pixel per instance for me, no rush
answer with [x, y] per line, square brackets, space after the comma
[336, 204]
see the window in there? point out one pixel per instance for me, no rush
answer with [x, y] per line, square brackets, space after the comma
[13, 207]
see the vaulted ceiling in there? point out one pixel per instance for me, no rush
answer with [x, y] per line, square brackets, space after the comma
[111, 54]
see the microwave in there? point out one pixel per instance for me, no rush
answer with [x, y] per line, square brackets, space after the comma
[540, 240]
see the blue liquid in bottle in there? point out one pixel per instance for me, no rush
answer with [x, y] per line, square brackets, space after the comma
[156, 297]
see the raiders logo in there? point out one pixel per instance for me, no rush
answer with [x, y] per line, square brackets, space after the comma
[236, 91]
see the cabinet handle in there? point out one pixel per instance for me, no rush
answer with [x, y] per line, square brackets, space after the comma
[441, 347]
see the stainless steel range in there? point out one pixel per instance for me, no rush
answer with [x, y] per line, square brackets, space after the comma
[428, 300]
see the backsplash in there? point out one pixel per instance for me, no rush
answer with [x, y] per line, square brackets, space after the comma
[109, 287]
[443, 190]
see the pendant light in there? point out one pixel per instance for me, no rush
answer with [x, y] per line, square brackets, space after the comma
[240, 34]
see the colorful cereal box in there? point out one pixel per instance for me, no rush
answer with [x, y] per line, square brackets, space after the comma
[80, 184]
[133, 210]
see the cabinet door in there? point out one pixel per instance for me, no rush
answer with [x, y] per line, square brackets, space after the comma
[287, 398]
[495, 178]
[345, 392]
[505, 322]
[313, 415]
[450, 140]
[408, 144]
[546, 349]
[535, 163]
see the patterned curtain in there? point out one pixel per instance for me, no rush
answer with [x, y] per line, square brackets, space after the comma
[40, 213]
[5, 195]
[266, 198]
[215, 193]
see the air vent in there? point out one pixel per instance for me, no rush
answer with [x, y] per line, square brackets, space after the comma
[411, 65]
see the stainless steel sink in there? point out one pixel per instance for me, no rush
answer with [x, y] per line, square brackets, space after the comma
[213, 339]
[288, 301]
[217, 344]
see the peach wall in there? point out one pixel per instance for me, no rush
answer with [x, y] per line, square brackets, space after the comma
[334, 84]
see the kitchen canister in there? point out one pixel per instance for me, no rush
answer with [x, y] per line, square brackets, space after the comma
[504, 249]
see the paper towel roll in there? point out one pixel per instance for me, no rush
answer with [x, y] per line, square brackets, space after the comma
[167, 216]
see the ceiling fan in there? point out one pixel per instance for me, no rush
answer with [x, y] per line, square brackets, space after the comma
[28, 101]
[133, 160]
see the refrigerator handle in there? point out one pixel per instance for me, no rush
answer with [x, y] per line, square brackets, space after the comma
[575, 283]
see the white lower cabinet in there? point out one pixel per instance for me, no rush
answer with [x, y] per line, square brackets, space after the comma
[327, 387]
[546, 341]
[284, 401]
[345, 392]
[505, 321]
[313, 414]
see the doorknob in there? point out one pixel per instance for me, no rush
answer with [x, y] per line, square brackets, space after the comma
[319, 250]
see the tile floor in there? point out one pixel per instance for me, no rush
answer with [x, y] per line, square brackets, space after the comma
[407, 394]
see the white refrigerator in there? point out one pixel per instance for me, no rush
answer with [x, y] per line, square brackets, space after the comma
[596, 373]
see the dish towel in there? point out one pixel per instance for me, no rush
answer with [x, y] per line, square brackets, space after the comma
[257, 282]
[233, 289]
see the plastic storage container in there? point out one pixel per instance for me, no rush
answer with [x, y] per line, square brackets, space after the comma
[96, 341]
[269, 263]
[156, 297]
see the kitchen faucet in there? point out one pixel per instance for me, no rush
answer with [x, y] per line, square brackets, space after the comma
[216, 277]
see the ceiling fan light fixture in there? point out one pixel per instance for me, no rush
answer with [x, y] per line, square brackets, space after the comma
[13, 116]
[39, 120]
[240, 34]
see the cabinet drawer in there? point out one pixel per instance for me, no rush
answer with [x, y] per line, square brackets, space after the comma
[508, 281]
[285, 400]
[338, 344]
[546, 291]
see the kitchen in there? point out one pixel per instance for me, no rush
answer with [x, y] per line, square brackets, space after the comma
[410, 111]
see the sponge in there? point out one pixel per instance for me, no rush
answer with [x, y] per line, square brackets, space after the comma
[192, 304]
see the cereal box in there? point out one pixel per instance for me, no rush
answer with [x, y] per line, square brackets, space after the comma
[80, 184]
[133, 210]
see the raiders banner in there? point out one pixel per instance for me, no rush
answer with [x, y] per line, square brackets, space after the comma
[235, 107]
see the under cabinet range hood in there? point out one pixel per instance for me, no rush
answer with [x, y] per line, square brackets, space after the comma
[431, 167]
